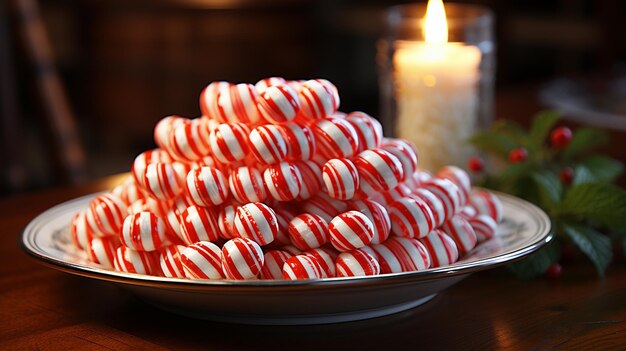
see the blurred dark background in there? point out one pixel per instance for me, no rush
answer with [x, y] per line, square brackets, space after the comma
[113, 68]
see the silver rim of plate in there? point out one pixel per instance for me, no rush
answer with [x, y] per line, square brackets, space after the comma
[524, 229]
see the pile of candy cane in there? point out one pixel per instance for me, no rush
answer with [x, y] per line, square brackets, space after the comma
[272, 182]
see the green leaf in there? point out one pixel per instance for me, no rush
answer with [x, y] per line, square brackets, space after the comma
[602, 203]
[537, 263]
[549, 188]
[493, 142]
[597, 169]
[593, 244]
[542, 124]
[583, 140]
[512, 130]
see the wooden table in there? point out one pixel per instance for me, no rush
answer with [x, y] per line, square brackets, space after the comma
[43, 309]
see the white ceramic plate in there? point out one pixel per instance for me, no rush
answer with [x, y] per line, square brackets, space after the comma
[525, 228]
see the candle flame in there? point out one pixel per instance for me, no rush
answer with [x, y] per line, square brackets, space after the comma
[435, 24]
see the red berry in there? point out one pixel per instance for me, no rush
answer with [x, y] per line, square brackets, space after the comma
[518, 154]
[554, 271]
[475, 164]
[560, 137]
[567, 175]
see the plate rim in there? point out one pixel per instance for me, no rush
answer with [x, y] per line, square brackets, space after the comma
[543, 238]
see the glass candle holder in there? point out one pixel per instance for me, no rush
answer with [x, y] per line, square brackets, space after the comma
[437, 95]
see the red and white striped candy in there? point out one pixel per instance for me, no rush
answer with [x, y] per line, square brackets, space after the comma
[164, 129]
[291, 249]
[484, 227]
[268, 143]
[396, 193]
[102, 250]
[486, 203]
[296, 85]
[368, 129]
[202, 260]
[460, 178]
[448, 193]
[105, 214]
[380, 168]
[208, 99]
[326, 258]
[256, 221]
[159, 208]
[324, 206]
[468, 212]
[418, 178]
[128, 191]
[269, 82]
[441, 247]
[434, 203]
[312, 180]
[318, 98]
[459, 229]
[80, 231]
[198, 224]
[283, 216]
[206, 186]
[145, 158]
[356, 263]
[399, 254]
[131, 261]
[188, 141]
[350, 230]
[379, 217]
[302, 267]
[367, 191]
[161, 181]
[279, 103]
[332, 88]
[273, 262]
[308, 231]
[300, 141]
[182, 169]
[404, 150]
[335, 138]
[229, 142]
[341, 178]
[143, 231]
[246, 185]
[241, 259]
[283, 180]
[226, 221]
[238, 103]
[171, 262]
[411, 218]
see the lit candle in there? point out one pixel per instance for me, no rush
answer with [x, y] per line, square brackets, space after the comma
[436, 92]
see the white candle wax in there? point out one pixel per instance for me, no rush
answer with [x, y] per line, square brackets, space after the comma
[437, 99]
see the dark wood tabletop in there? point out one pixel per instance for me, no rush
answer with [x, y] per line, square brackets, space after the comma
[43, 309]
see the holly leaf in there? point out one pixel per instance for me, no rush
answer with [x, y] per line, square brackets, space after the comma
[597, 169]
[595, 245]
[549, 188]
[601, 203]
[512, 130]
[493, 142]
[583, 140]
[537, 263]
[542, 124]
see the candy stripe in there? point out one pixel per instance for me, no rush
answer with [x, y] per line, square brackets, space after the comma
[268, 143]
[242, 259]
[350, 230]
[340, 178]
[356, 263]
[380, 168]
[273, 264]
[256, 221]
[302, 267]
[246, 185]
[202, 260]
[411, 218]
[198, 224]
[308, 231]
[206, 186]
